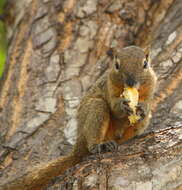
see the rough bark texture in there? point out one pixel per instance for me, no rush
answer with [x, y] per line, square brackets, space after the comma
[150, 162]
[57, 50]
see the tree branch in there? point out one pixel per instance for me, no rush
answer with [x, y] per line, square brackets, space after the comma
[151, 161]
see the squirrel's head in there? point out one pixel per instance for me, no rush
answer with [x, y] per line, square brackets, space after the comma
[130, 66]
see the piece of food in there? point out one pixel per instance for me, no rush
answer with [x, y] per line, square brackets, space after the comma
[132, 95]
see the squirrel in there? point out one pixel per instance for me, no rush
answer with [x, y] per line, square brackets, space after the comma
[102, 116]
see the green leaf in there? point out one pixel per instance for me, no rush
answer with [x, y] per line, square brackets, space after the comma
[2, 62]
[2, 4]
[3, 47]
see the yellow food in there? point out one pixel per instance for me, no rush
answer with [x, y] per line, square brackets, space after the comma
[132, 95]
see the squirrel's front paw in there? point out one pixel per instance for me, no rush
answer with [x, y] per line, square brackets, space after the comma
[124, 104]
[104, 147]
[141, 110]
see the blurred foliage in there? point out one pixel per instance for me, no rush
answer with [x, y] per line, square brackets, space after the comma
[3, 42]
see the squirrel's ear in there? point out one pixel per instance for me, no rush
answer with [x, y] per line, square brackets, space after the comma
[110, 53]
[146, 51]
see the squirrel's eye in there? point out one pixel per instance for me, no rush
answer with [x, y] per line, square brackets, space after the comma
[145, 64]
[110, 53]
[117, 65]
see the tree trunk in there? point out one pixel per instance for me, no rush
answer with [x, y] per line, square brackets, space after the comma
[57, 50]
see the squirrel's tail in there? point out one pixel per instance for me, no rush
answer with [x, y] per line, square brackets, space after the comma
[37, 178]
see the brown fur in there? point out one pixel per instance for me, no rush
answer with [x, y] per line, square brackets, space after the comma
[100, 117]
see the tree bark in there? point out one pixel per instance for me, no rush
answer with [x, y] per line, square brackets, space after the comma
[152, 161]
[57, 50]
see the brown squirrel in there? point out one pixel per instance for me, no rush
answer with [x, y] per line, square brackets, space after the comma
[102, 116]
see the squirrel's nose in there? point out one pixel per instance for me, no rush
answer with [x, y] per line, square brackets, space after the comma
[130, 81]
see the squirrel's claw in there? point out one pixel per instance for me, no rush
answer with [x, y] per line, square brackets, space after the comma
[140, 110]
[124, 104]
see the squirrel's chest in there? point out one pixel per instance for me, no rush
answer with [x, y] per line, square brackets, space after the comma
[116, 128]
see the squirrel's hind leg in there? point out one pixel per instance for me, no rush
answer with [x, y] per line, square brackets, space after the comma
[96, 125]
